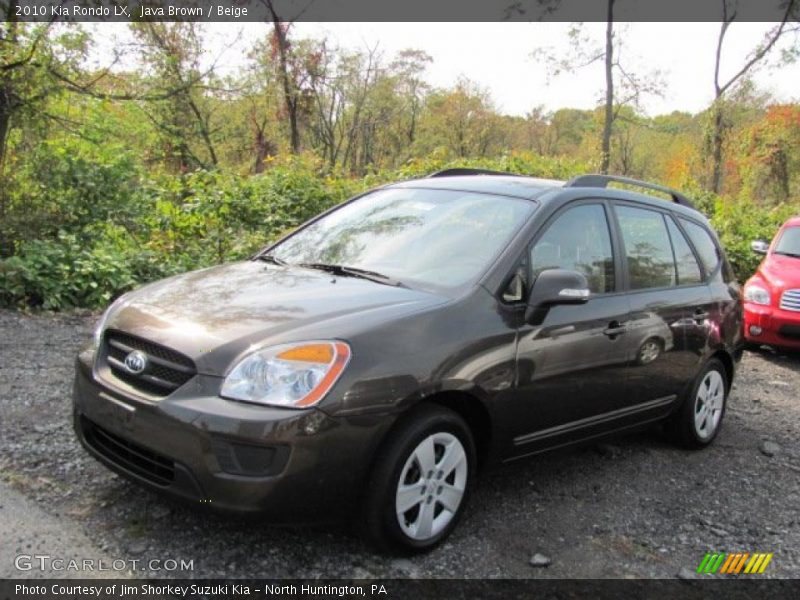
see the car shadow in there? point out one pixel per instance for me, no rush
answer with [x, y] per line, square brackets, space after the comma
[788, 359]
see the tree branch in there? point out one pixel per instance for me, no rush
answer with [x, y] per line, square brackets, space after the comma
[759, 54]
[24, 61]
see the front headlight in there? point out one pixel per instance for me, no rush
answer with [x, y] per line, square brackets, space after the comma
[291, 375]
[756, 294]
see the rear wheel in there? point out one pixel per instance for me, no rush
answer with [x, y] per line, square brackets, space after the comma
[421, 482]
[698, 421]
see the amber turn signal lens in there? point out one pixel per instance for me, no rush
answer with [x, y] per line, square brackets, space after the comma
[340, 360]
[318, 353]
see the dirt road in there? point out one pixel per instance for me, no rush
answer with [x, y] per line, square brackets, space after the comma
[633, 507]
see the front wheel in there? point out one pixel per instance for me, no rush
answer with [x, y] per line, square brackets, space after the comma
[699, 419]
[420, 482]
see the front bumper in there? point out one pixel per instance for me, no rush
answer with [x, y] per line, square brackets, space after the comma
[778, 327]
[193, 445]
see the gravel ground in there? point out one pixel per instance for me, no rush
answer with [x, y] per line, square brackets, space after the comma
[633, 507]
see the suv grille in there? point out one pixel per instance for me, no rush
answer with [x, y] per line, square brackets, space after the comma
[166, 369]
[791, 300]
[143, 462]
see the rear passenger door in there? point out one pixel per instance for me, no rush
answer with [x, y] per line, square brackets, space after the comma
[668, 303]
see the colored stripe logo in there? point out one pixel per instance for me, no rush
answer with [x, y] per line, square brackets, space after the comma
[734, 563]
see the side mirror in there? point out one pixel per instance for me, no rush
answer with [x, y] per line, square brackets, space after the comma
[759, 246]
[555, 286]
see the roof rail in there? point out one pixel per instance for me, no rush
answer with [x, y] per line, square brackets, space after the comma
[602, 181]
[454, 172]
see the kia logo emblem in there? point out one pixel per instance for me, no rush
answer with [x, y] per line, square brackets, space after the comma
[136, 362]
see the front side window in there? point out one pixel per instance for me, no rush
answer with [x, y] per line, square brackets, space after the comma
[578, 240]
[789, 242]
[647, 247]
[703, 243]
[439, 237]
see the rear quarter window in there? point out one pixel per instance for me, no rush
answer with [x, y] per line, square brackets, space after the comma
[704, 244]
[688, 268]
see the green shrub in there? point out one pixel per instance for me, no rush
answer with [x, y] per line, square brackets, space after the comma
[58, 189]
[61, 273]
[739, 222]
[93, 227]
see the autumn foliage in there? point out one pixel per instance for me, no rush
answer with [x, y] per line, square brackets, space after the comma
[110, 179]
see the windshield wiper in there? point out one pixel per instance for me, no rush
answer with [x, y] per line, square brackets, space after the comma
[344, 271]
[272, 259]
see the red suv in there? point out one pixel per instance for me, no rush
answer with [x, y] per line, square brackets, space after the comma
[772, 295]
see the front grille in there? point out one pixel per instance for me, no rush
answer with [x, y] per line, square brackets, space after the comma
[147, 464]
[791, 300]
[166, 369]
[790, 331]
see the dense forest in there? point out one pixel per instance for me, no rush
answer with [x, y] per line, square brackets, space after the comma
[112, 175]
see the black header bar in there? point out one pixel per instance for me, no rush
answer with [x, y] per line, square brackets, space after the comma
[394, 10]
[703, 587]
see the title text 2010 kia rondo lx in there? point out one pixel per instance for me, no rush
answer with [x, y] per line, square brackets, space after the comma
[370, 362]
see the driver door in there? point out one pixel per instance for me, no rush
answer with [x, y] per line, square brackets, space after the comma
[572, 369]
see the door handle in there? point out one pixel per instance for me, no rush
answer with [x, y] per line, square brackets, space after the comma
[614, 329]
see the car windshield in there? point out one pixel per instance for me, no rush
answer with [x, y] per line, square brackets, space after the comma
[436, 237]
[789, 242]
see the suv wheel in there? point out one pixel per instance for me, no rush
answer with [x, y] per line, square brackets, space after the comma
[421, 482]
[699, 419]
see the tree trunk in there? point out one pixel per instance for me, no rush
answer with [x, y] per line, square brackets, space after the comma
[779, 171]
[718, 133]
[5, 120]
[263, 146]
[717, 138]
[609, 112]
[289, 92]
[5, 89]
[295, 132]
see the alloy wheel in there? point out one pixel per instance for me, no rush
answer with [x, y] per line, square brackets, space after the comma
[431, 486]
[708, 404]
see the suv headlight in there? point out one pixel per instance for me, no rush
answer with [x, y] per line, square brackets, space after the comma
[756, 294]
[290, 375]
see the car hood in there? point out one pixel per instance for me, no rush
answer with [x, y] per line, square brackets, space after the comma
[214, 315]
[780, 272]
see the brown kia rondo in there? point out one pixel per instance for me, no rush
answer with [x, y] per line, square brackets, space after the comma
[369, 363]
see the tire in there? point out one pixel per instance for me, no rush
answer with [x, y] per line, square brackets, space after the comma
[708, 395]
[439, 440]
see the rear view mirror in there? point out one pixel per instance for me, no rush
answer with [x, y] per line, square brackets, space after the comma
[552, 287]
[759, 246]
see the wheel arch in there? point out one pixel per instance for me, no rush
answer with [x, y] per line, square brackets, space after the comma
[727, 361]
[468, 406]
[477, 417]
